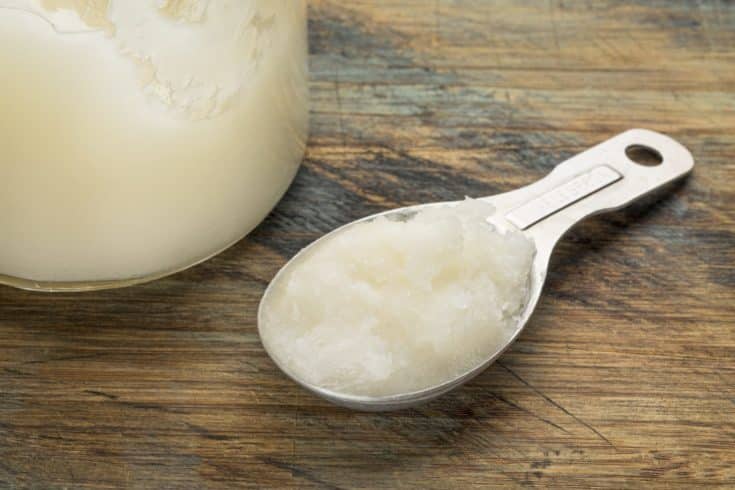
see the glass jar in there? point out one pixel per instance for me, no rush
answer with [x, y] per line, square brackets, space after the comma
[140, 137]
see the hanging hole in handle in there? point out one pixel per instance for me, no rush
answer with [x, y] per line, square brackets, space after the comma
[644, 155]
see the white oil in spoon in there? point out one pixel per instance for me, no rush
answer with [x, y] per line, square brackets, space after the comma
[388, 307]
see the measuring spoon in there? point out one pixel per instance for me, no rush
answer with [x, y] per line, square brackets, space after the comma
[604, 178]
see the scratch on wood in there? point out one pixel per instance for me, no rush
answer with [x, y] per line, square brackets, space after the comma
[531, 413]
[66, 358]
[557, 405]
[207, 434]
[297, 472]
[102, 394]
[705, 26]
[338, 95]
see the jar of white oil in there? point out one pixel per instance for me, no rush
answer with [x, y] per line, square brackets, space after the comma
[139, 137]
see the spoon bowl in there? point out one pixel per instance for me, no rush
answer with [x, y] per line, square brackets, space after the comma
[604, 178]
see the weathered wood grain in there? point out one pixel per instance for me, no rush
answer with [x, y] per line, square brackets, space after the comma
[624, 378]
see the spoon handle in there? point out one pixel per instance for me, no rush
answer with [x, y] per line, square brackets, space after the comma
[606, 177]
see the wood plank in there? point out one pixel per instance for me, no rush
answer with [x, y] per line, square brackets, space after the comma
[625, 378]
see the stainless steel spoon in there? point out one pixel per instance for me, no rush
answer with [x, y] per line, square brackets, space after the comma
[603, 178]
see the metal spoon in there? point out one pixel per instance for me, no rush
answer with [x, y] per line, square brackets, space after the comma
[604, 178]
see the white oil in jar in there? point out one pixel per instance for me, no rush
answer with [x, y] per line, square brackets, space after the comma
[138, 137]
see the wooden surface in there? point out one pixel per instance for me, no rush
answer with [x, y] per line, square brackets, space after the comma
[624, 378]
